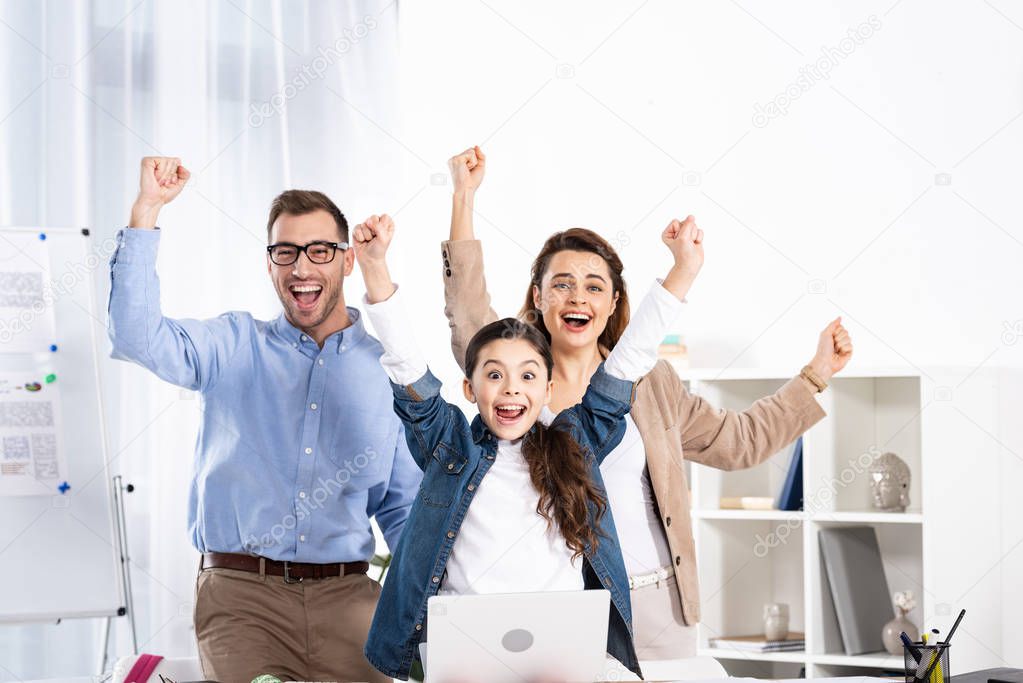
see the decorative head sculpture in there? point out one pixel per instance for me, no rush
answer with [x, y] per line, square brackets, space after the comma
[889, 482]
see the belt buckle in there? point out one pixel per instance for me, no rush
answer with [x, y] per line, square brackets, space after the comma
[287, 574]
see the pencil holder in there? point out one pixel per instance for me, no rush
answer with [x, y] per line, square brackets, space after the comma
[923, 657]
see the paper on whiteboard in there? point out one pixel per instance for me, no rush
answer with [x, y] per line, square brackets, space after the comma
[32, 460]
[26, 299]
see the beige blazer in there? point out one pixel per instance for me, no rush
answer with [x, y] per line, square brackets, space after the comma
[674, 424]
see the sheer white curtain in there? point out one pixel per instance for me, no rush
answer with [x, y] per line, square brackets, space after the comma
[255, 97]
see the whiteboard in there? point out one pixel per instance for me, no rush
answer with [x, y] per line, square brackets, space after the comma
[59, 556]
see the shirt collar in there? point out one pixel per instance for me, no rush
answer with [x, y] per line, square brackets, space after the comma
[480, 431]
[342, 340]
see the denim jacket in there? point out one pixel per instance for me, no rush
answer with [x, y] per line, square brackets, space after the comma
[455, 457]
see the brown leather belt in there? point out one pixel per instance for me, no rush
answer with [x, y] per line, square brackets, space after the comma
[293, 572]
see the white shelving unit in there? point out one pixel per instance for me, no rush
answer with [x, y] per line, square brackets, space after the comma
[953, 428]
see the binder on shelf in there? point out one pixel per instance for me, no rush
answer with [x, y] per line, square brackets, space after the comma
[859, 589]
[791, 495]
[831, 634]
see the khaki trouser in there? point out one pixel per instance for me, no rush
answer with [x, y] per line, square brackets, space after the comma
[658, 628]
[248, 624]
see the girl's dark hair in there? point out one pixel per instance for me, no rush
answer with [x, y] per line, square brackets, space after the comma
[580, 239]
[557, 464]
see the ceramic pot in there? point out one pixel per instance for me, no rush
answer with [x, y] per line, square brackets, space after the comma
[776, 621]
[890, 633]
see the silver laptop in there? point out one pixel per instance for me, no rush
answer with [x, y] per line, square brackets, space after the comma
[518, 636]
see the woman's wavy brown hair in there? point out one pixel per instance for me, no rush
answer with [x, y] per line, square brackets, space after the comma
[557, 464]
[580, 239]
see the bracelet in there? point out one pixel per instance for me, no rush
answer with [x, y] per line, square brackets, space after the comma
[813, 378]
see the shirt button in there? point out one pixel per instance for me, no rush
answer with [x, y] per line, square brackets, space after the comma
[451, 534]
[444, 252]
[295, 344]
[319, 361]
[678, 560]
[308, 451]
[312, 406]
[436, 579]
[451, 466]
[302, 537]
[419, 627]
[344, 347]
[471, 487]
[303, 337]
[448, 272]
[668, 521]
[301, 494]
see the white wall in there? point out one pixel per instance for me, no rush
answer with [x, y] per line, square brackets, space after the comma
[654, 119]
[888, 192]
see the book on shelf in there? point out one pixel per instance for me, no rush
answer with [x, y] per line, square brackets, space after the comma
[790, 496]
[793, 642]
[746, 503]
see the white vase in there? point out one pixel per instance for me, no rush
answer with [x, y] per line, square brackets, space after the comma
[890, 633]
[776, 621]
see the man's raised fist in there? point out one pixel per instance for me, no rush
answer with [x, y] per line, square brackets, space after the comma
[162, 179]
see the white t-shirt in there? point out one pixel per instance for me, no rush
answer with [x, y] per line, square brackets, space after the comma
[503, 542]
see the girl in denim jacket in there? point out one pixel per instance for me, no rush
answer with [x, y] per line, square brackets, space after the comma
[508, 505]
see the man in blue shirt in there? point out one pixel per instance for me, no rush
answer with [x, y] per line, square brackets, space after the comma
[298, 444]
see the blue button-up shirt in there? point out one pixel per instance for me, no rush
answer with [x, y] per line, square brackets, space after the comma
[298, 446]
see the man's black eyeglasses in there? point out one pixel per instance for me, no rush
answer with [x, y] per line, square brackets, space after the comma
[285, 253]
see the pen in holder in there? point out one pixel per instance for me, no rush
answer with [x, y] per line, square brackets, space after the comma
[926, 663]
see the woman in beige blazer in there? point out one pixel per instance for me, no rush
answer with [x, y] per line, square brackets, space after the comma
[578, 299]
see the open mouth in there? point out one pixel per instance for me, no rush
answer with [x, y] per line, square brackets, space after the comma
[576, 321]
[509, 413]
[305, 295]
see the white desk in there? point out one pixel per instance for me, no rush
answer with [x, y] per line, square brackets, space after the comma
[632, 677]
[656, 672]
